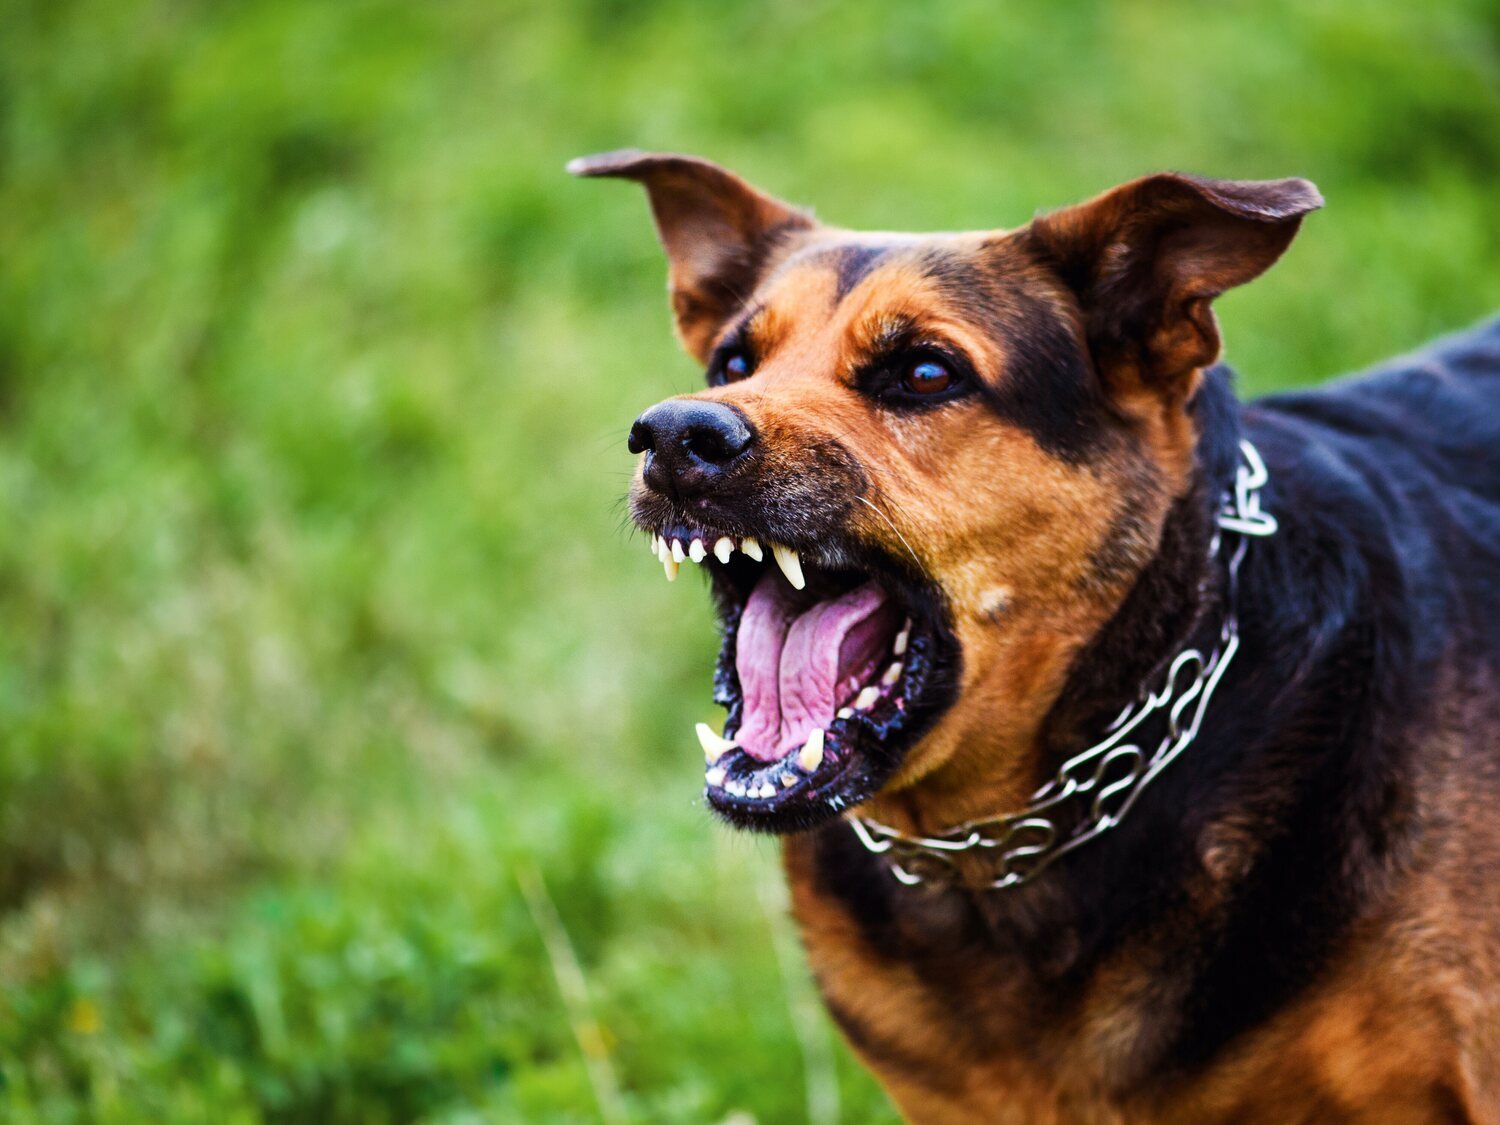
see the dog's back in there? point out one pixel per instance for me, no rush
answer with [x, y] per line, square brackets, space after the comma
[1418, 436]
[1434, 413]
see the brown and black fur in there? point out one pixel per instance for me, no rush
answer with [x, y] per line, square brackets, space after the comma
[1300, 921]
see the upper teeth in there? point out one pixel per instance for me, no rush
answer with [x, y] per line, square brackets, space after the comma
[659, 545]
[790, 565]
[672, 554]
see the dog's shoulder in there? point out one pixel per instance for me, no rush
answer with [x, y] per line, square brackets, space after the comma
[1434, 413]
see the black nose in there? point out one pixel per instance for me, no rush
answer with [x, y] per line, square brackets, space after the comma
[690, 444]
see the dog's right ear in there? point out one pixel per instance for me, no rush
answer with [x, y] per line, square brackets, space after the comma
[716, 228]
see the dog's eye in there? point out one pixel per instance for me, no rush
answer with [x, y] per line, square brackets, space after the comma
[735, 366]
[926, 377]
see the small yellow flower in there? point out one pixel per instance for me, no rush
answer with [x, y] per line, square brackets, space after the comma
[83, 1017]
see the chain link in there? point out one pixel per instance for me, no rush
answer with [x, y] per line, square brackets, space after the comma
[1109, 776]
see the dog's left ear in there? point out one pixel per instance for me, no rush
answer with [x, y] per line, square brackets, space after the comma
[1146, 260]
[716, 228]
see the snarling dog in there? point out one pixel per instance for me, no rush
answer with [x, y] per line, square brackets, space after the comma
[1138, 751]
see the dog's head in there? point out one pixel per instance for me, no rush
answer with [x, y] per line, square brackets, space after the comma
[926, 468]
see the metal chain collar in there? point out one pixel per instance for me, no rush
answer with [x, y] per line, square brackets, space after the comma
[1108, 777]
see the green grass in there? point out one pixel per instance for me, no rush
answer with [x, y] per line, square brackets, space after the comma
[320, 623]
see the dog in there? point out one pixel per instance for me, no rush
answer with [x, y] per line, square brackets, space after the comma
[1137, 752]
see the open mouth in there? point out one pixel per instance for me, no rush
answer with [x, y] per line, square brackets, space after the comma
[829, 673]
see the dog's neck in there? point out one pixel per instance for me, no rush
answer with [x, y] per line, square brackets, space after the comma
[1173, 598]
[1177, 595]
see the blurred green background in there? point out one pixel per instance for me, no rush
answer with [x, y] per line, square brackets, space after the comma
[341, 719]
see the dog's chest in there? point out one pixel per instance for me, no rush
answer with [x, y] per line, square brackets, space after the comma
[959, 1029]
[955, 1024]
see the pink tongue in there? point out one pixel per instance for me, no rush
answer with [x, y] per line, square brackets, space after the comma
[795, 669]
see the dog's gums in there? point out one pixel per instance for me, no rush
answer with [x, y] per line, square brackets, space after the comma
[826, 674]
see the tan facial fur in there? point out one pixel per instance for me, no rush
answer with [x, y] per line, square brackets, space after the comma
[1010, 533]
[1031, 548]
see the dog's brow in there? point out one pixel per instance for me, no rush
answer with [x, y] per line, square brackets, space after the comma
[957, 277]
[853, 265]
[850, 263]
[889, 332]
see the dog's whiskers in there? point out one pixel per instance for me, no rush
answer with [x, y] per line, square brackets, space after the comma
[891, 524]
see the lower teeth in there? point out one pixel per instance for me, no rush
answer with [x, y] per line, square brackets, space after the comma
[810, 755]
